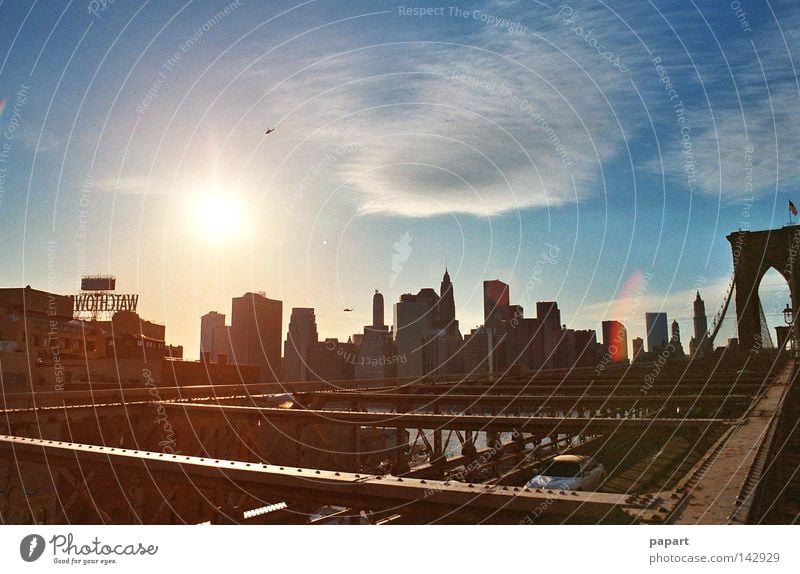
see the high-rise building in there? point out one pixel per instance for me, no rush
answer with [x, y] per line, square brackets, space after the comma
[700, 341]
[446, 320]
[331, 360]
[426, 333]
[447, 304]
[495, 302]
[564, 348]
[377, 359]
[676, 331]
[517, 341]
[586, 348]
[215, 336]
[300, 339]
[481, 351]
[377, 310]
[548, 313]
[615, 341]
[700, 320]
[414, 317]
[434, 352]
[256, 325]
[637, 343]
[657, 332]
[675, 340]
[550, 318]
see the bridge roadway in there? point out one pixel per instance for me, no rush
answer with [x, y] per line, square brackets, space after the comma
[613, 396]
[627, 381]
[186, 405]
[551, 400]
[268, 482]
[490, 423]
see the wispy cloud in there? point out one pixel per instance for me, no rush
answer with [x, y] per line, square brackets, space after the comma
[742, 120]
[485, 128]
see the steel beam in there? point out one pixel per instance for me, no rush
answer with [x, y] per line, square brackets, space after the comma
[500, 423]
[403, 495]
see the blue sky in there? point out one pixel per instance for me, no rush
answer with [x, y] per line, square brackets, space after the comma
[483, 135]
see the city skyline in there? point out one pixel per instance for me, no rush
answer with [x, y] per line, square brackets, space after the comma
[401, 141]
[611, 330]
[377, 262]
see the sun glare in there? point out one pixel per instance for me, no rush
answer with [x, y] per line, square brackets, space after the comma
[217, 215]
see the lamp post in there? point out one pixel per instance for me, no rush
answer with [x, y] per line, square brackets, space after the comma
[788, 318]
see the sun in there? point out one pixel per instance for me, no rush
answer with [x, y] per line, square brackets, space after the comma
[218, 215]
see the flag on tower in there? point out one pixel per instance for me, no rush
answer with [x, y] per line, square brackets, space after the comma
[792, 208]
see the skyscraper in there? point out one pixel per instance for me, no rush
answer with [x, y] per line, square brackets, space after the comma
[700, 320]
[495, 302]
[215, 337]
[657, 332]
[638, 345]
[586, 348]
[549, 314]
[675, 340]
[481, 351]
[256, 324]
[564, 350]
[452, 362]
[376, 360]
[414, 318]
[447, 304]
[300, 339]
[377, 310]
[700, 341]
[615, 341]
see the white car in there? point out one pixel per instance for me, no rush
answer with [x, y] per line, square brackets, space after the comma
[569, 472]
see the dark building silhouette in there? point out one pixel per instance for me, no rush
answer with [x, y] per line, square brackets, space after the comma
[615, 341]
[700, 342]
[331, 360]
[256, 324]
[586, 348]
[131, 337]
[657, 332]
[524, 341]
[564, 351]
[481, 352]
[426, 332]
[675, 340]
[549, 314]
[300, 338]
[495, 303]
[414, 318]
[377, 358]
[43, 345]
[446, 321]
[215, 335]
[637, 344]
[377, 310]
[207, 372]
[447, 304]
[550, 318]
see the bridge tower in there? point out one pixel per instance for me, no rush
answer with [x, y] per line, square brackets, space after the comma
[754, 252]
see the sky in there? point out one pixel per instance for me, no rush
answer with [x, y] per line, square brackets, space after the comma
[592, 153]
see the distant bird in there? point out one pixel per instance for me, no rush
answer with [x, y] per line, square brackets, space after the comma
[347, 310]
[269, 131]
